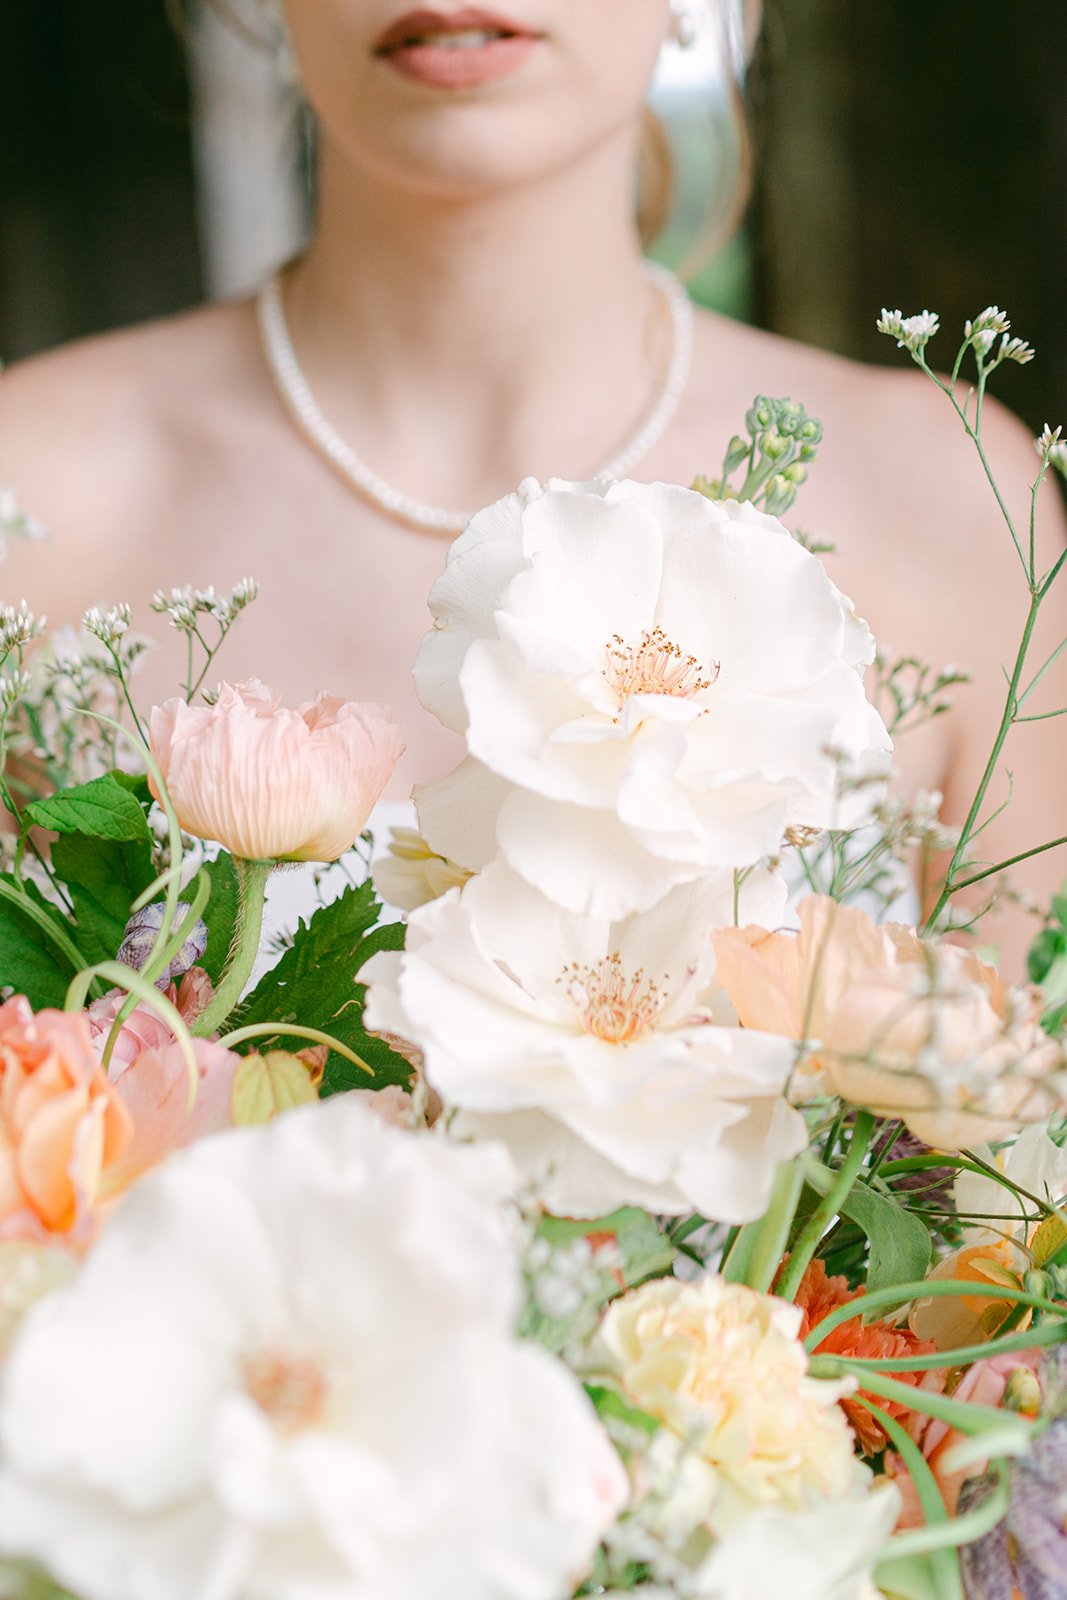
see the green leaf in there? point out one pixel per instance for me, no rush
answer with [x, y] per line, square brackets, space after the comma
[314, 984]
[900, 1243]
[102, 809]
[30, 963]
[610, 1403]
[104, 878]
[220, 914]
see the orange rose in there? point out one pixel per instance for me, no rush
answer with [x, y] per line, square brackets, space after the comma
[61, 1123]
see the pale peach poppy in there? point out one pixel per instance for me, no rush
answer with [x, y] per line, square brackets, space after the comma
[62, 1124]
[903, 1026]
[273, 783]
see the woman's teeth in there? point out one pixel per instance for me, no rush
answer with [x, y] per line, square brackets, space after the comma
[467, 39]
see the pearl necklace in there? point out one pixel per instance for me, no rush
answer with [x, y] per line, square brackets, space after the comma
[295, 392]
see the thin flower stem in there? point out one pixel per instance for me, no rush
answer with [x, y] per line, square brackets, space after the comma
[967, 1417]
[925, 1289]
[828, 1208]
[251, 885]
[1044, 716]
[265, 1030]
[773, 1232]
[959, 1530]
[945, 1565]
[950, 884]
[1047, 1333]
[1010, 861]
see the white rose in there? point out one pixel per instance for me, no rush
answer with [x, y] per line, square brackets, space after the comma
[650, 684]
[289, 1370]
[591, 1047]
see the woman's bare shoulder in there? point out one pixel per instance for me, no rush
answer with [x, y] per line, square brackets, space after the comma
[96, 437]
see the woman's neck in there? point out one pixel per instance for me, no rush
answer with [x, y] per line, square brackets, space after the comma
[460, 343]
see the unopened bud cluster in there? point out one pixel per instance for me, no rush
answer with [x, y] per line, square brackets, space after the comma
[18, 627]
[1052, 447]
[110, 626]
[911, 333]
[782, 441]
[184, 606]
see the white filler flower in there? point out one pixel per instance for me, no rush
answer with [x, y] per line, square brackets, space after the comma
[651, 685]
[590, 1047]
[288, 1372]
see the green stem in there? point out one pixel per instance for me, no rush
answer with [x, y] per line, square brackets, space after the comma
[1032, 1339]
[1010, 709]
[944, 1565]
[828, 1207]
[291, 1030]
[772, 1234]
[251, 884]
[1011, 861]
[925, 1289]
[959, 1530]
[960, 1414]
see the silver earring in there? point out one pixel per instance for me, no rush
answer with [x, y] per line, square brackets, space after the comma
[685, 24]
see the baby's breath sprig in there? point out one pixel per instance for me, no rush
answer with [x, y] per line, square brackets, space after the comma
[111, 628]
[910, 692]
[189, 610]
[782, 442]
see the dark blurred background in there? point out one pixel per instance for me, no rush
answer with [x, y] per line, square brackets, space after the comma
[907, 154]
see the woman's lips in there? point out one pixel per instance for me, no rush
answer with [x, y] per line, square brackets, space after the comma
[457, 51]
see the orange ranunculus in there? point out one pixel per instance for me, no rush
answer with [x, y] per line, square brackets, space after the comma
[62, 1125]
[904, 1026]
[820, 1294]
[270, 782]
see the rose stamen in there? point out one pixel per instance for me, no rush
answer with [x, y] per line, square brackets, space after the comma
[291, 1390]
[613, 1005]
[655, 666]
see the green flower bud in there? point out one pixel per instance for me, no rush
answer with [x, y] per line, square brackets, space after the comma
[736, 451]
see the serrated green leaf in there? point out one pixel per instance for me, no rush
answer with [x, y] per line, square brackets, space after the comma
[220, 914]
[314, 984]
[101, 809]
[30, 964]
[104, 879]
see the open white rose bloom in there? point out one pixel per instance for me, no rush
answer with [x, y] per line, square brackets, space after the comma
[592, 1048]
[289, 1371]
[652, 685]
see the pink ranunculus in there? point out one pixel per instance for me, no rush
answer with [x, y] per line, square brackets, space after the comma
[144, 1028]
[273, 783]
[983, 1384]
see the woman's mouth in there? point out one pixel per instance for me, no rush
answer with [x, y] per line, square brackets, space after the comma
[458, 51]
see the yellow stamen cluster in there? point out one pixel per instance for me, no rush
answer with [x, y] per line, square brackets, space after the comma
[655, 666]
[613, 1005]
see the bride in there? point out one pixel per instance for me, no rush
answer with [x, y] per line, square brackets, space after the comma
[473, 308]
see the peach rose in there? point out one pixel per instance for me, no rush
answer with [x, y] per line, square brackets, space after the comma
[144, 1029]
[62, 1125]
[155, 1092]
[901, 1025]
[271, 783]
[984, 1384]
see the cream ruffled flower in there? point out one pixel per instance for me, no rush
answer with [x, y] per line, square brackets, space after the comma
[289, 1369]
[269, 782]
[901, 1025]
[412, 874]
[589, 1047]
[650, 685]
[721, 1366]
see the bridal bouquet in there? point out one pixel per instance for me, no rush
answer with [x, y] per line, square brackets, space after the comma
[625, 1221]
